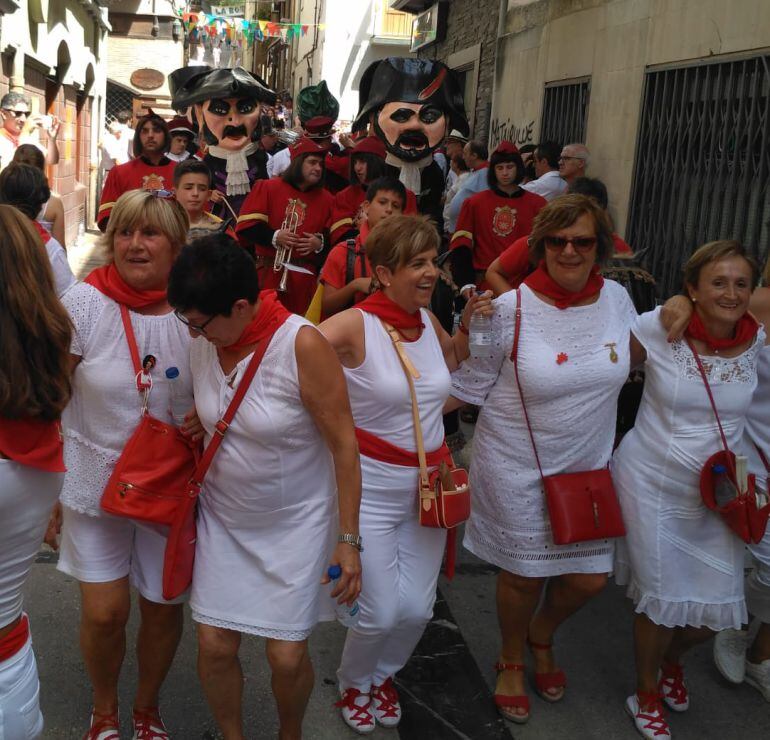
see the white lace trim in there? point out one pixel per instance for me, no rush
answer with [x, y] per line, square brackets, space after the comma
[740, 369]
[249, 629]
[89, 467]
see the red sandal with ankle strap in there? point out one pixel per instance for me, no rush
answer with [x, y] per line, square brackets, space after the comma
[672, 687]
[551, 680]
[504, 702]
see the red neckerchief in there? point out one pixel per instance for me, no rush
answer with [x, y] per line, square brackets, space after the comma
[44, 235]
[745, 330]
[390, 312]
[107, 280]
[269, 319]
[543, 283]
[482, 166]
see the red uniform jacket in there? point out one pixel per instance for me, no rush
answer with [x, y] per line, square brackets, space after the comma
[490, 220]
[335, 270]
[346, 206]
[262, 214]
[138, 174]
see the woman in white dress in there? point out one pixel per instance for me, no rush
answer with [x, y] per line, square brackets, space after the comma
[289, 460]
[683, 565]
[573, 361]
[108, 554]
[402, 559]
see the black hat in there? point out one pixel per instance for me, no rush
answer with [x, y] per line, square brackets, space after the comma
[233, 82]
[411, 81]
[178, 78]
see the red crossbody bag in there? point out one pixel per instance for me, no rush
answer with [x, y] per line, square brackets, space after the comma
[582, 506]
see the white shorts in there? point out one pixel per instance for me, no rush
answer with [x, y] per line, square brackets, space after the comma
[20, 717]
[99, 549]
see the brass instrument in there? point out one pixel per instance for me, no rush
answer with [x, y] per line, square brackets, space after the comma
[283, 254]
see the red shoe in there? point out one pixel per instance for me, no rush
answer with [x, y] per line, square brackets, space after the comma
[385, 705]
[504, 702]
[355, 708]
[672, 688]
[544, 682]
[148, 725]
[103, 727]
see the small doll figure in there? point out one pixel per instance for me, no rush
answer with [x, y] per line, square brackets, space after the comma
[144, 377]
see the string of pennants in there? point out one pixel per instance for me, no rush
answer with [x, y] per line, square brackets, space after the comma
[200, 26]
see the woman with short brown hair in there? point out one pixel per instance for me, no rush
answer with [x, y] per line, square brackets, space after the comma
[34, 389]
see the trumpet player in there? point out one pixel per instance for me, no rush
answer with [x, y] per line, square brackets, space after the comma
[285, 222]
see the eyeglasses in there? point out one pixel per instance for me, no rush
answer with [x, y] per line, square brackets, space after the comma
[564, 159]
[200, 328]
[579, 243]
[18, 113]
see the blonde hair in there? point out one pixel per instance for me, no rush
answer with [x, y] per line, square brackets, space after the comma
[137, 208]
[713, 252]
[397, 239]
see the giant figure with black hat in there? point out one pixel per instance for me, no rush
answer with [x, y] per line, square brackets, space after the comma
[411, 105]
[227, 107]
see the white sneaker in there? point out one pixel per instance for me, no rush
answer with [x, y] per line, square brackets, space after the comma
[672, 688]
[730, 654]
[650, 722]
[355, 709]
[385, 705]
[758, 676]
[104, 728]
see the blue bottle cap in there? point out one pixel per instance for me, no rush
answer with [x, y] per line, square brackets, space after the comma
[172, 372]
[719, 469]
[334, 572]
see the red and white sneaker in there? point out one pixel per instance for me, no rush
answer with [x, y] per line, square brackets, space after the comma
[355, 709]
[148, 725]
[385, 705]
[672, 687]
[649, 719]
[103, 727]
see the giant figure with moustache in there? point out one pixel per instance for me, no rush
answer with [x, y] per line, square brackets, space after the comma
[228, 105]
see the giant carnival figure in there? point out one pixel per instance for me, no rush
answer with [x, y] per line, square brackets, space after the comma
[227, 104]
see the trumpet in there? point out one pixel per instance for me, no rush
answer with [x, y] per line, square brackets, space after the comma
[283, 254]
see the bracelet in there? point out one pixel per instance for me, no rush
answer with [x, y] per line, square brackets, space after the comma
[321, 248]
[354, 540]
[463, 329]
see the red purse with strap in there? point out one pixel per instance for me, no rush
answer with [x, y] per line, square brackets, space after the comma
[180, 548]
[744, 517]
[150, 478]
[582, 506]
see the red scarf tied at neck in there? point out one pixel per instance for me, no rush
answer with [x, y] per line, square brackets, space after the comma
[390, 312]
[269, 318]
[543, 283]
[745, 330]
[107, 280]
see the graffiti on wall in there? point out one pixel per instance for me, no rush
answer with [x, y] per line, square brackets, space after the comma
[507, 131]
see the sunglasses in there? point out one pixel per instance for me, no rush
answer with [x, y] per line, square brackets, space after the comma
[200, 328]
[163, 194]
[579, 243]
[18, 113]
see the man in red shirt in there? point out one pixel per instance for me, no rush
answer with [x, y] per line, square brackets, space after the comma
[290, 214]
[151, 169]
[490, 220]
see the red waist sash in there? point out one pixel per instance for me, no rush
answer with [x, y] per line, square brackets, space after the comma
[379, 449]
[15, 640]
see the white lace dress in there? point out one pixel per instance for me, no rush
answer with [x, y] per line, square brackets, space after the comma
[572, 406]
[682, 564]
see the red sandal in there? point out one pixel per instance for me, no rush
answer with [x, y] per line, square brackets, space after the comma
[551, 680]
[504, 702]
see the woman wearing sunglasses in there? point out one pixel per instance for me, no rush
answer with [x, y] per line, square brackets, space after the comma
[108, 554]
[573, 358]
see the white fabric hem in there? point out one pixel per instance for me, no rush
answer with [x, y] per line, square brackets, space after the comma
[274, 634]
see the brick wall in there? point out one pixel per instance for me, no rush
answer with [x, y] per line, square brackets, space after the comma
[471, 22]
[128, 54]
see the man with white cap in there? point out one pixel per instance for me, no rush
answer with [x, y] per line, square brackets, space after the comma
[453, 147]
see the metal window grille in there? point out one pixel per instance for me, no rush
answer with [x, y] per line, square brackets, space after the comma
[565, 111]
[702, 163]
[118, 99]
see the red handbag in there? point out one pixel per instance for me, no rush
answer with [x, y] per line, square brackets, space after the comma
[151, 476]
[743, 515]
[444, 494]
[582, 506]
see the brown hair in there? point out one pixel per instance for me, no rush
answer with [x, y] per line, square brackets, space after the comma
[31, 155]
[713, 252]
[35, 327]
[137, 208]
[561, 213]
[397, 239]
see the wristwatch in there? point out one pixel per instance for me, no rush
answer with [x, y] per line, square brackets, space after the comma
[354, 540]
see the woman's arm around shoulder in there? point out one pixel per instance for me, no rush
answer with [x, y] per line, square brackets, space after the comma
[345, 333]
[760, 307]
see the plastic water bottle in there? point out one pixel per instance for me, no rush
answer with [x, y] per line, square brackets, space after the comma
[80, 239]
[346, 615]
[480, 335]
[724, 490]
[180, 400]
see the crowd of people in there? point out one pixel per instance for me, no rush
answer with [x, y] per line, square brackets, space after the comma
[313, 315]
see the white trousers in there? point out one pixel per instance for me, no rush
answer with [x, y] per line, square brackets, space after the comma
[20, 717]
[401, 562]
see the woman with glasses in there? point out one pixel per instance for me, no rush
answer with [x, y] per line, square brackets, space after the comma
[573, 358]
[107, 554]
